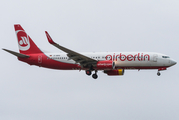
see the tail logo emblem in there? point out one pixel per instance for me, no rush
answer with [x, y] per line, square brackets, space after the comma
[23, 40]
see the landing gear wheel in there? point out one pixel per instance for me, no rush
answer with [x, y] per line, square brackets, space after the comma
[158, 73]
[88, 72]
[95, 76]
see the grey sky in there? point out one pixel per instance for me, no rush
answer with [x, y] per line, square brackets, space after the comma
[29, 92]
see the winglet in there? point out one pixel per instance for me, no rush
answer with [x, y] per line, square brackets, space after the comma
[49, 38]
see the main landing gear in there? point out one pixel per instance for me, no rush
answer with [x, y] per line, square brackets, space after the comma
[95, 76]
[88, 72]
[160, 69]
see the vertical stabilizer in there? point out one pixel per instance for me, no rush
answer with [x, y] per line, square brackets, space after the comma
[25, 43]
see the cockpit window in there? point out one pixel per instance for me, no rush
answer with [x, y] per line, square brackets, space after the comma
[165, 57]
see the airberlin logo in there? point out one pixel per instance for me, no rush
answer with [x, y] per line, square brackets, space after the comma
[129, 57]
[23, 40]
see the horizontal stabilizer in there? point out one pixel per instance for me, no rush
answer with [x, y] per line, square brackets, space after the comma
[17, 54]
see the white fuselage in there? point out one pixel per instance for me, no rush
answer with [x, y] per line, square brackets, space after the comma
[126, 60]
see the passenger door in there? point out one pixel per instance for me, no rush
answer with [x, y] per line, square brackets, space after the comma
[155, 57]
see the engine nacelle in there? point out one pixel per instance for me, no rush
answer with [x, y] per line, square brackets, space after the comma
[105, 65]
[114, 72]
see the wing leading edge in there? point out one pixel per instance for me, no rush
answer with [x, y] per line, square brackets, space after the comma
[77, 57]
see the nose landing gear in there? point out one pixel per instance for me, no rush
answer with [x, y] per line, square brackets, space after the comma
[158, 73]
[160, 69]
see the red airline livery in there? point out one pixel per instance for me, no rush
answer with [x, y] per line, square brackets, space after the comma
[111, 63]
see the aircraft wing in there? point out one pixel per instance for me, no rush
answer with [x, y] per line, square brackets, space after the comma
[77, 57]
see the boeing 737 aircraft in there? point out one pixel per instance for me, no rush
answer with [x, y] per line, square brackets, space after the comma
[111, 63]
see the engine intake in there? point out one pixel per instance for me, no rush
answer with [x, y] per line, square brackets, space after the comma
[114, 72]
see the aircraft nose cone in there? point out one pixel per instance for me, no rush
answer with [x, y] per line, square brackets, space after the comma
[173, 62]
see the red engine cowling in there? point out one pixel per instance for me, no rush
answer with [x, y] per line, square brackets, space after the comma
[105, 65]
[114, 72]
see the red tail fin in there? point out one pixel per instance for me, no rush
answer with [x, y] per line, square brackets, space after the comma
[26, 45]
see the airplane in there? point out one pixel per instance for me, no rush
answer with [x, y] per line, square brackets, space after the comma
[111, 63]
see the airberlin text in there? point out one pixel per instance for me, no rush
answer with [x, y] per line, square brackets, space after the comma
[129, 57]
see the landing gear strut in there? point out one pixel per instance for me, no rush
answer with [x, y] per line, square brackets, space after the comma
[95, 76]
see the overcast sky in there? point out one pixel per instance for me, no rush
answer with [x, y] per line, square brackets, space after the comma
[33, 93]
